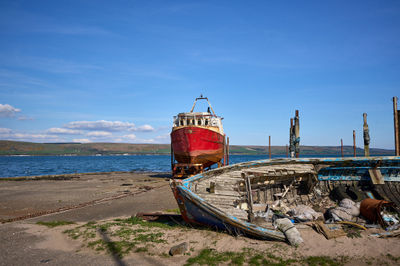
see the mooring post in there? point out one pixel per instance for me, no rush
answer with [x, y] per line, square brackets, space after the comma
[354, 143]
[172, 160]
[297, 133]
[227, 150]
[366, 135]
[396, 127]
[224, 150]
[291, 139]
[341, 146]
[269, 147]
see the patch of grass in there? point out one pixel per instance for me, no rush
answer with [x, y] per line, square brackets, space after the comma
[256, 260]
[125, 233]
[73, 233]
[352, 232]
[248, 256]
[54, 223]
[141, 249]
[393, 258]
[150, 237]
[209, 257]
[322, 261]
[119, 248]
[139, 221]
[92, 244]
[177, 210]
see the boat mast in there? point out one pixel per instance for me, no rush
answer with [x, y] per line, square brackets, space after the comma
[202, 98]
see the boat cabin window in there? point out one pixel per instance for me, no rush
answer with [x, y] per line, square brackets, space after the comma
[206, 122]
[199, 122]
[181, 122]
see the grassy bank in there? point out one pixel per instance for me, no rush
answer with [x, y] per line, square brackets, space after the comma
[30, 148]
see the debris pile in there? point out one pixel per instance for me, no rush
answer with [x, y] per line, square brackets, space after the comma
[335, 218]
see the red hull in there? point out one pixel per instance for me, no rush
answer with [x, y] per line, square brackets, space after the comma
[197, 145]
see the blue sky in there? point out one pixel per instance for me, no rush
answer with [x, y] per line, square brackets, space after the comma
[118, 71]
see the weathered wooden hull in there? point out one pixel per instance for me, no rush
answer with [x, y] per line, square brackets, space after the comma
[210, 198]
[197, 211]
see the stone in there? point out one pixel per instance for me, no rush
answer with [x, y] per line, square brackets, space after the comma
[179, 249]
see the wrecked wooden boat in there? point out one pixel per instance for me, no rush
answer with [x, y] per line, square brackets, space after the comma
[229, 198]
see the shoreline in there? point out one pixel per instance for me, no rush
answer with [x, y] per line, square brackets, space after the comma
[70, 176]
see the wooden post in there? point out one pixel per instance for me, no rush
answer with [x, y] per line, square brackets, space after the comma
[249, 196]
[297, 133]
[341, 146]
[172, 160]
[396, 128]
[291, 139]
[269, 147]
[287, 151]
[227, 151]
[354, 143]
[366, 136]
[224, 150]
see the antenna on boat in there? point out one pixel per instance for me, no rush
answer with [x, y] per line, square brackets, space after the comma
[202, 98]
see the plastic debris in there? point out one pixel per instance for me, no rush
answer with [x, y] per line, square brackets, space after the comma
[267, 215]
[305, 213]
[346, 211]
[354, 208]
[389, 218]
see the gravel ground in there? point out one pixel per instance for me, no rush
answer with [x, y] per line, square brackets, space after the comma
[134, 192]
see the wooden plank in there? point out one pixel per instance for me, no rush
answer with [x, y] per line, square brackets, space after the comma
[376, 176]
[249, 197]
[214, 196]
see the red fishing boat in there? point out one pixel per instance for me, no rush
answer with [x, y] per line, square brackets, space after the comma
[197, 141]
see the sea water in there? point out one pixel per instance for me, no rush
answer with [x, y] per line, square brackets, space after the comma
[12, 166]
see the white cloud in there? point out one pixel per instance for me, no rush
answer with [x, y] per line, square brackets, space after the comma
[145, 141]
[34, 136]
[31, 137]
[129, 137]
[101, 125]
[63, 131]
[99, 134]
[145, 128]
[7, 110]
[163, 137]
[81, 140]
[5, 130]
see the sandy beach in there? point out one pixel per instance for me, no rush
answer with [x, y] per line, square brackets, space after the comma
[95, 206]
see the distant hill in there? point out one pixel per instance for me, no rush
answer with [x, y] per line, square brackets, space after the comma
[30, 148]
